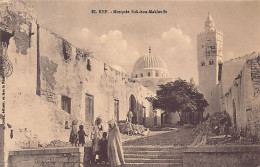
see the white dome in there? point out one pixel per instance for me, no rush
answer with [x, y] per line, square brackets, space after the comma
[149, 61]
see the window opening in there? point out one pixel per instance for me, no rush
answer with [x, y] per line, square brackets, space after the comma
[66, 104]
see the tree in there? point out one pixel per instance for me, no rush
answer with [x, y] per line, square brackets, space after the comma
[180, 96]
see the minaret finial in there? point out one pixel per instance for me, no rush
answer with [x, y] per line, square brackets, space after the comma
[150, 50]
[209, 23]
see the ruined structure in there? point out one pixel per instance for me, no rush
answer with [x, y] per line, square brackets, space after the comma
[49, 82]
[231, 86]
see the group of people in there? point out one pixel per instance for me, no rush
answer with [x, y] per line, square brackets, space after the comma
[102, 149]
[77, 137]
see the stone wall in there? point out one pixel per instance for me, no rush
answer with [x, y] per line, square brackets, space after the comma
[241, 101]
[222, 156]
[83, 74]
[52, 157]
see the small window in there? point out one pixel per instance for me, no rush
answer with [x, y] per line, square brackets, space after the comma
[157, 74]
[211, 62]
[136, 75]
[66, 50]
[88, 65]
[203, 63]
[149, 74]
[142, 75]
[219, 71]
[66, 104]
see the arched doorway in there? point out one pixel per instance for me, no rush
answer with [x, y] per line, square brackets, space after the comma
[132, 107]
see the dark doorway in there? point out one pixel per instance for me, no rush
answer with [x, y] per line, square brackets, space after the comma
[132, 107]
[89, 109]
[163, 117]
[143, 115]
[116, 110]
[155, 118]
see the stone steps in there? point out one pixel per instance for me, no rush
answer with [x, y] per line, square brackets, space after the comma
[151, 156]
[140, 165]
[142, 160]
[153, 165]
[152, 152]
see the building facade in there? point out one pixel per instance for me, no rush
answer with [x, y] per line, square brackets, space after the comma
[49, 83]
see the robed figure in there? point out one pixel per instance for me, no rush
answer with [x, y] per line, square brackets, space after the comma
[114, 147]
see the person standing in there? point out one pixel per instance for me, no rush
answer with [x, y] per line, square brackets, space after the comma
[103, 148]
[81, 134]
[129, 116]
[74, 133]
[96, 135]
[114, 146]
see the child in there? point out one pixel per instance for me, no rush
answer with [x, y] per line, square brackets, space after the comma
[73, 134]
[95, 136]
[129, 128]
[81, 134]
[103, 148]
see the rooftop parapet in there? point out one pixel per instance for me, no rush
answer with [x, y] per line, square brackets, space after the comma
[210, 31]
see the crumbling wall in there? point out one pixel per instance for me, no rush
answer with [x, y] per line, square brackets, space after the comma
[70, 157]
[253, 110]
[241, 100]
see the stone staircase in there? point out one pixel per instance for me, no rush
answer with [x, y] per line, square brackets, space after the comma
[153, 156]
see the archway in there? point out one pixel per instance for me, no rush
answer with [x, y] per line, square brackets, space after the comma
[132, 107]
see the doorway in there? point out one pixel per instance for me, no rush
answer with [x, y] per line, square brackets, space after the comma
[132, 107]
[116, 109]
[89, 109]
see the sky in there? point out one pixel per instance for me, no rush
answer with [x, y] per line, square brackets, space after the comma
[120, 39]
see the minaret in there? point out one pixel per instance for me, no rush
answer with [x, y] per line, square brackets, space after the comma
[209, 58]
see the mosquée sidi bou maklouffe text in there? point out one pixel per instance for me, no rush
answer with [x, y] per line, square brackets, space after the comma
[129, 11]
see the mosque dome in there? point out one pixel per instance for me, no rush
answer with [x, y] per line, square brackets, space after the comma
[150, 66]
[150, 61]
[151, 71]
